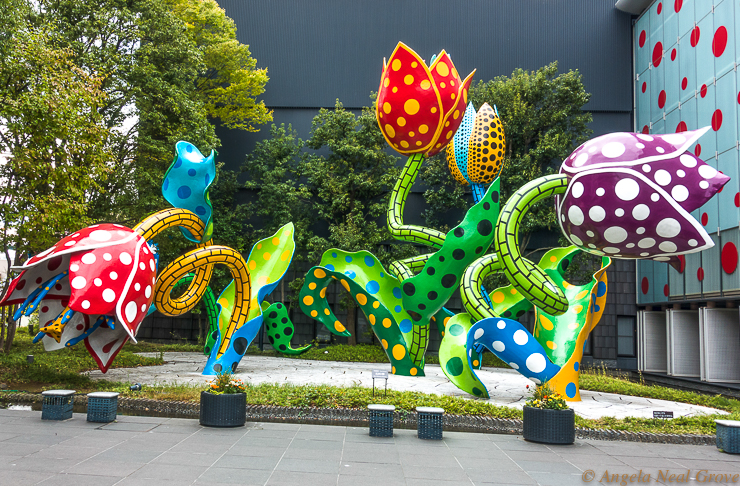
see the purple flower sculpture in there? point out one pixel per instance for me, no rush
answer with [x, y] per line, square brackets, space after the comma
[630, 194]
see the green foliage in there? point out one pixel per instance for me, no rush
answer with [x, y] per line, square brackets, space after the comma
[54, 137]
[544, 397]
[226, 384]
[228, 80]
[543, 117]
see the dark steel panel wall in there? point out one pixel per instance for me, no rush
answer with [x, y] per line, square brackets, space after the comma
[318, 51]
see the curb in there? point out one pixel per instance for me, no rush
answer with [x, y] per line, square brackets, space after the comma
[358, 418]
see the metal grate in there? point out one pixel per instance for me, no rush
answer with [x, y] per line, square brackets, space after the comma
[720, 345]
[652, 353]
[683, 343]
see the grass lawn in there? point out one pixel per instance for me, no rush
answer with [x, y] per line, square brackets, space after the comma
[60, 369]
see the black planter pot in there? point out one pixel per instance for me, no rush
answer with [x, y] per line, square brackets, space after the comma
[549, 426]
[227, 410]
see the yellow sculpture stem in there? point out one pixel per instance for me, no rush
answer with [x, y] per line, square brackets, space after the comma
[199, 262]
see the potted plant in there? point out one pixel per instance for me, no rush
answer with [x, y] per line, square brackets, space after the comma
[224, 403]
[547, 418]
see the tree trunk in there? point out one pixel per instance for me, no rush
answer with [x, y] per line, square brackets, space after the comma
[11, 331]
[3, 311]
[351, 322]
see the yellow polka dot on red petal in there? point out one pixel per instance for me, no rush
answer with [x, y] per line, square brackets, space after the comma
[404, 144]
[456, 114]
[386, 82]
[418, 144]
[395, 89]
[452, 83]
[434, 109]
[449, 135]
[443, 69]
[442, 85]
[454, 73]
[408, 79]
[387, 107]
[414, 64]
[411, 106]
[390, 131]
[396, 64]
[423, 129]
[411, 134]
[425, 84]
[401, 121]
[465, 95]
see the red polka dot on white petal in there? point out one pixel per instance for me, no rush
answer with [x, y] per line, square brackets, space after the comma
[125, 258]
[113, 275]
[88, 258]
[85, 304]
[131, 311]
[100, 235]
[109, 295]
[79, 283]
[107, 257]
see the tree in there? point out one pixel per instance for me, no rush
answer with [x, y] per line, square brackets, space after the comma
[228, 80]
[544, 121]
[350, 187]
[52, 137]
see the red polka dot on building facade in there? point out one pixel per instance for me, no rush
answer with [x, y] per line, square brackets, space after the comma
[645, 285]
[666, 290]
[719, 42]
[684, 83]
[695, 34]
[697, 150]
[646, 129]
[677, 4]
[657, 53]
[737, 199]
[643, 38]
[703, 90]
[717, 120]
[661, 99]
[704, 219]
[729, 257]
[644, 87]
[700, 274]
[681, 127]
[673, 55]
[660, 8]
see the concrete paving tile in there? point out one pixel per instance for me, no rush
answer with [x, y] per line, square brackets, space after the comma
[556, 479]
[383, 457]
[378, 471]
[639, 462]
[712, 466]
[273, 433]
[174, 429]
[8, 459]
[63, 452]
[486, 451]
[590, 461]
[141, 419]
[321, 454]
[107, 468]
[195, 445]
[348, 480]
[324, 445]
[226, 475]
[116, 454]
[20, 449]
[552, 467]
[436, 473]
[326, 429]
[6, 436]
[318, 436]
[308, 466]
[250, 450]
[186, 458]
[169, 471]
[521, 445]
[277, 426]
[80, 480]
[436, 460]
[502, 463]
[31, 463]
[542, 456]
[492, 475]
[18, 478]
[367, 438]
[248, 462]
[434, 482]
[265, 441]
[290, 478]
[130, 426]
[87, 441]
[129, 481]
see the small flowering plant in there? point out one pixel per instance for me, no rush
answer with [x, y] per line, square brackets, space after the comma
[226, 383]
[544, 397]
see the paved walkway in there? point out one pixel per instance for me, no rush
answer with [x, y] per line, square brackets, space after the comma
[506, 387]
[169, 452]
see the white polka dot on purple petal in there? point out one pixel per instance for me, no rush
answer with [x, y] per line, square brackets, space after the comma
[613, 150]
